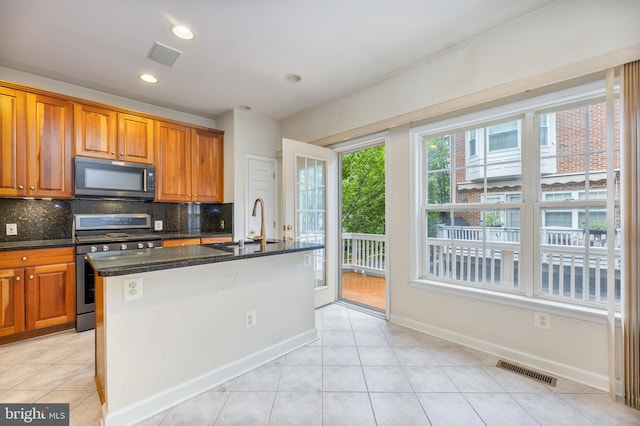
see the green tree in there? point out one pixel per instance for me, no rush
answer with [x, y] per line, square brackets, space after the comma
[363, 191]
[438, 179]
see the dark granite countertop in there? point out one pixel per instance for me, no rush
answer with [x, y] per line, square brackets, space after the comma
[134, 262]
[36, 244]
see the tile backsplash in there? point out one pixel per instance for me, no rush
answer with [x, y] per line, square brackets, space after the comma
[52, 219]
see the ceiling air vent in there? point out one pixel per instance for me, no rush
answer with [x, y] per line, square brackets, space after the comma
[164, 54]
[527, 372]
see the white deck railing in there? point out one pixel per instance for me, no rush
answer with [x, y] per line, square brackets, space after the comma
[573, 272]
[364, 252]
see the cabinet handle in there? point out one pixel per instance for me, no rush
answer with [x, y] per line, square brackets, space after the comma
[32, 187]
[17, 278]
[31, 277]
[122, 154]
[112, 153]
[20, 187]
[24, 258]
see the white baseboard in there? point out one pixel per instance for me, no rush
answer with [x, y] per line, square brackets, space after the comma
[156, 404]
[589, 378]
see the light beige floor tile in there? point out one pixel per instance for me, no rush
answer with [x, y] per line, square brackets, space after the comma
[246, 408]
[602, 409]
[338, 338]
[11, 375]
[386, 379]
[340, 355]
[343, 379]
[377, 355]
[453, 356]
[50, 378]
[472, 379]
[82, 380]
[499, 409]
[199, 410]
[307, 355]
[398, 409]
[305, 378]
[71, 397]
[550, 409]
[297, 408]
[21, 396]
[429, 379]
[347, 408]
[87, 413]
[449, 409]
[263, 378]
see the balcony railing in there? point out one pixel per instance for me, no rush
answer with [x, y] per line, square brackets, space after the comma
[570, 268]
[364, 252]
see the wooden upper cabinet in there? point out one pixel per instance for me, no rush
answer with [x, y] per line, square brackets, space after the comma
[13, 171]
[173, 162]
[95, 131]
[49, 147]
[189, 164]
[103, 133]
[135, 138]
[207, 166]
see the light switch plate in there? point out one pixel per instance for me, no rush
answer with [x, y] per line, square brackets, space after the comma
[157, 225]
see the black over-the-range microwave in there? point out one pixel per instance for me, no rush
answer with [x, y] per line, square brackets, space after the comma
[114, 179]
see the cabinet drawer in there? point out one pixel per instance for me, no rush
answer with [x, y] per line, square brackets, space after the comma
[182, 242]
[21, 258]
[213, 240]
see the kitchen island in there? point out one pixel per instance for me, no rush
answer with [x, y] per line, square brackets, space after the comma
[174, 322]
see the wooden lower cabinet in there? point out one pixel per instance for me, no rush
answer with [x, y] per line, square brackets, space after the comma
[37, 292]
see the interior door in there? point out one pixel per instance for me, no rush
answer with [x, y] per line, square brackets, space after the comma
[310, 180]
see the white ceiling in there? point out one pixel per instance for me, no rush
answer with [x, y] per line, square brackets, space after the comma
[243, 48]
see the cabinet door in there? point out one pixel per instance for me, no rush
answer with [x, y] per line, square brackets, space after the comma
[173, 162]
[49, 147]
[181, 243]
[135, 139]
[11, 301]
[207, 166]
[50, 295]
[13, 174]
[95, 131]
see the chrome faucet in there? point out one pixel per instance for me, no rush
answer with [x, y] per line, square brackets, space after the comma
[261, 238]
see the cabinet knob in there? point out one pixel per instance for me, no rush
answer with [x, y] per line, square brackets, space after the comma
[31, 277]
[112, 153]
[17, 278]
[122, 154]
[32, 187]
[20, 187]
[24, 258]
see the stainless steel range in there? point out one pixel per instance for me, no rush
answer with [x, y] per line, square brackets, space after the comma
[103, 233]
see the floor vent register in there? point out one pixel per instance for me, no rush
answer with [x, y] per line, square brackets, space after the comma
[527, 372]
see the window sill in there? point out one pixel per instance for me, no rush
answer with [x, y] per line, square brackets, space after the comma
[583, 313]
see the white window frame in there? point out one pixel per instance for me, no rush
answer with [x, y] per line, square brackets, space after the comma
[531, 169]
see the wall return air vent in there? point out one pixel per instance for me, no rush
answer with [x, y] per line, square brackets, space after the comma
[527, 372]
[164, 54]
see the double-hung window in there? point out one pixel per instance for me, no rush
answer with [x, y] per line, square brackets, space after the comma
[523, 199]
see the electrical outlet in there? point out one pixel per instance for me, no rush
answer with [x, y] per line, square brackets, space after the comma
[542, 320]
[132, 288]
[12, 229]
[250, 319]
[157, 225]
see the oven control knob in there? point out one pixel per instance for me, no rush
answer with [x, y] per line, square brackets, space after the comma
[123, 246]
[93, 249]
[150, 244]
[140, 245]
[105, 248]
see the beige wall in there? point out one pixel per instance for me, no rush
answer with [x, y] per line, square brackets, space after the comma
[566, 40]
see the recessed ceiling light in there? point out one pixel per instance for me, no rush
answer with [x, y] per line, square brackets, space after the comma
[292, 78]
[182, 32]
[148, 78]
